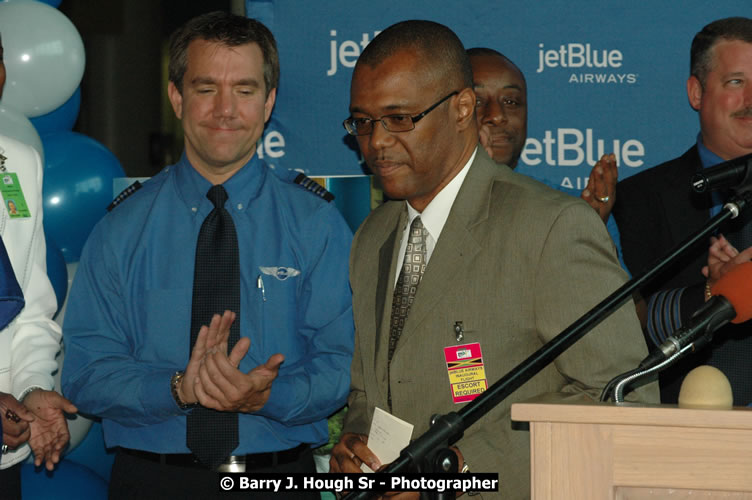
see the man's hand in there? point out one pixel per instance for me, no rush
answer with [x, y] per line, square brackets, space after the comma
[16, 420]
[221, 386]
[209, 337]
[484, 135]
[600, 192]
[212, 376]
[49, 429]
[351, 452]
[722, 258]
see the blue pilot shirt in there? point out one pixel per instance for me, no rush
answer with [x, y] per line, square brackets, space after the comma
[127, 324]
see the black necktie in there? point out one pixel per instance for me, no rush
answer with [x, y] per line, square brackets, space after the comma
[213, 435]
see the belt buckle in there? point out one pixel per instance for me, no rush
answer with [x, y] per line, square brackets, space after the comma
[234, 463]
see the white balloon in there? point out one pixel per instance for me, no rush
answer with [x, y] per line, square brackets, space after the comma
[44, 57]
[16, 126]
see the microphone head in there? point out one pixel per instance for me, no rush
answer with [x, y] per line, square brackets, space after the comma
[736, 287]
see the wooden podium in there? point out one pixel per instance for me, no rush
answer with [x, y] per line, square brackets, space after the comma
[601, 451]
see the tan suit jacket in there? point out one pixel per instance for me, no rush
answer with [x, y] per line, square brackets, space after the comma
[516, 263]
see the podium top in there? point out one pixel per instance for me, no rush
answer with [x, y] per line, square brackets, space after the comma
[546, 409]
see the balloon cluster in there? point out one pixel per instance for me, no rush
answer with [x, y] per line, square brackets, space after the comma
[44, 61]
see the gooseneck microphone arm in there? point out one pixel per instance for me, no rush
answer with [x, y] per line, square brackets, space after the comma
[419, 456]
[622, 381]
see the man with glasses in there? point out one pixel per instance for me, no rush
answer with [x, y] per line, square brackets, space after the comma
[478, 265]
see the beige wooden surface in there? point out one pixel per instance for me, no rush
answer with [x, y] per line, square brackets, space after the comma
[602, 451]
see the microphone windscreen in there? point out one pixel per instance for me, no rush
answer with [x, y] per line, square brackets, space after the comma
[736, 286]
[706, 387]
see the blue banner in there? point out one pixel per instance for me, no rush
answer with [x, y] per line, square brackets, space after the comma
[601, 76]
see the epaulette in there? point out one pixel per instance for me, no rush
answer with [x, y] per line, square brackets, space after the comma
[125, 193]
[313, 186]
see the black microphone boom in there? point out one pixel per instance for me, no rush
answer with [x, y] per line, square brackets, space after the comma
[715, 313]
[736, 173]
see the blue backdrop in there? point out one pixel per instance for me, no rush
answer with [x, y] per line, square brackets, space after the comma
[602, 76]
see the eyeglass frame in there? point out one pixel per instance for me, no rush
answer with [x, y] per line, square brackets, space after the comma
[413, 119]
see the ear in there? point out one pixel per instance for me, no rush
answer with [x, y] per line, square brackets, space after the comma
[465, 108]
[694, 92]
[269, 104]
[176, 99]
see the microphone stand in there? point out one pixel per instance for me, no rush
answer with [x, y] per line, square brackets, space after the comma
[625, 379]
[424, 455]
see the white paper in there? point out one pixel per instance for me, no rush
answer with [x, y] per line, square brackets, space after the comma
[387, 437]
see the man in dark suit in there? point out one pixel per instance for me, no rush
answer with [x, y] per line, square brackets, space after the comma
[511, 263]
[657, 209]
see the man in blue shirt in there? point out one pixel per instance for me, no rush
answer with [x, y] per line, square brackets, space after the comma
[656, 209]
[128, 323]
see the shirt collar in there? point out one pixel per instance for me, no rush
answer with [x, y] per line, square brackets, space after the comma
[435, 214]
[241, 188]
[707, 157]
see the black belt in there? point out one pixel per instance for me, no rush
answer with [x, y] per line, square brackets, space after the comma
[251, 461]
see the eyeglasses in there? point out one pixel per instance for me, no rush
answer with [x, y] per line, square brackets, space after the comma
[392, 123]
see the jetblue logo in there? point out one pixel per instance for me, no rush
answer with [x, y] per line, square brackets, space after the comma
[270, 147]
[346, 52]
[570, 147]
[592, 65]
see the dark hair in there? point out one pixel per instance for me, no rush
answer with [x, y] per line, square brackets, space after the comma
[485, 51]
[437, 44]
[230, 30]
[701, 54]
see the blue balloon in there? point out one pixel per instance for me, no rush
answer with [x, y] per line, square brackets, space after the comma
[77, 188]
[92, 453]
[60, 119]
[69, 481]
[57, 271]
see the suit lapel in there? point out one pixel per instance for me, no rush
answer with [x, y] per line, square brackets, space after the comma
[457, 245]
[691, 215]
[388, 254]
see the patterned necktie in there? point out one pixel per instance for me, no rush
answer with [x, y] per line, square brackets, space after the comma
[408, 280]
[212, 435]
[412, 270]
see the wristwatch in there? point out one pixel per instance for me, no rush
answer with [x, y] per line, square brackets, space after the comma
[174, 382]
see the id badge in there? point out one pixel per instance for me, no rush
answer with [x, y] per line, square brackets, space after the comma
[13, 197]
[467, 373]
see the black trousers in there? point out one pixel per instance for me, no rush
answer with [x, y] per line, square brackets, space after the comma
[137, 478]
[10, 483]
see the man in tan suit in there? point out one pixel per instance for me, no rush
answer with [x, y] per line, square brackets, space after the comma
[511, 263]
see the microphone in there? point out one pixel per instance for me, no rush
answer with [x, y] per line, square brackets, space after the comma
[731, 301]
[730, 174]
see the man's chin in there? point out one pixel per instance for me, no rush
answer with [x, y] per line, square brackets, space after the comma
[504, 159]
[392, 188]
